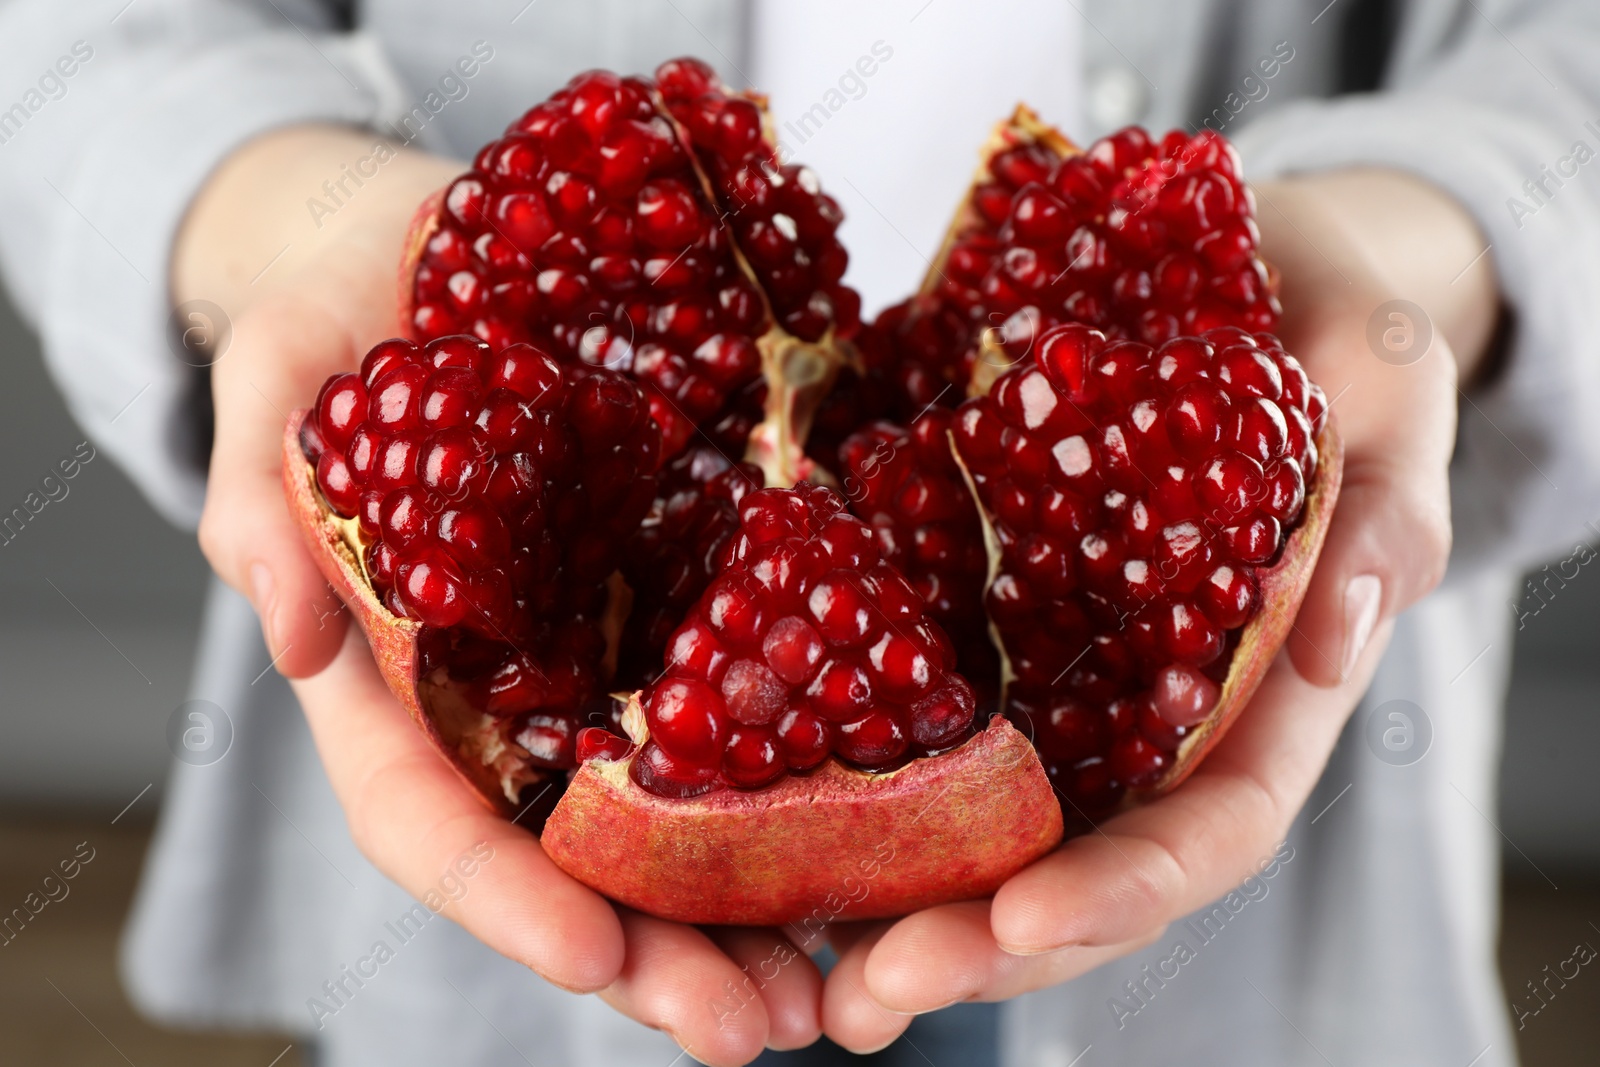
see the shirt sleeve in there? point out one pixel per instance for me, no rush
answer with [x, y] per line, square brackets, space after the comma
[112, 114]
[1505, 116]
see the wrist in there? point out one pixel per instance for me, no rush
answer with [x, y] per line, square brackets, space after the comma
[1396, 236]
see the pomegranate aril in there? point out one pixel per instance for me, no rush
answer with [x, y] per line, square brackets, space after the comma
[752, 694]
[337, 484]
[803, 738]
[792, 648]
[1183, 696]
[944, 716]
[593, 742]
[751, 758]
[659, 773]
[1137, 762]
[687, 719]
[842, 690]
[340, 408]
[876, 742]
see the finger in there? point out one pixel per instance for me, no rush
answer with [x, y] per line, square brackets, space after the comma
[1390, 535]
[789, 983]
[414, 818]
[279, 358]
[947, 955]
[676, 979]
[850, 1017]
[1156, 863]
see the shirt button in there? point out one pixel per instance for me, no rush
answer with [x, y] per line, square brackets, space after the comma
[1117, 97]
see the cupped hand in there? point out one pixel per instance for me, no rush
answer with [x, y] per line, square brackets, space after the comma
[315, 309]
[1345, 245]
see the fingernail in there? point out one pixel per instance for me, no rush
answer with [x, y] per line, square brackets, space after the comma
[1362, 597]
[261, 593]
[1030, 950]
[947, 1004]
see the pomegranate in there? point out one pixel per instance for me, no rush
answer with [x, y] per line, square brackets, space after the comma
[888, 603]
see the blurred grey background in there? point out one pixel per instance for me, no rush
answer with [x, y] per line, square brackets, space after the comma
[101, 610]
[101, 614]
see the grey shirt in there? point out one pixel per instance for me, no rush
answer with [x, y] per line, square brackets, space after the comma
[1371, 941]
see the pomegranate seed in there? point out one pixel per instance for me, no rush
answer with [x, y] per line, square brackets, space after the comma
[1183, 696]
[596, 743]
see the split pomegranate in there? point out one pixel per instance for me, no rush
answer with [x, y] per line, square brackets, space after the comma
[1070, 497]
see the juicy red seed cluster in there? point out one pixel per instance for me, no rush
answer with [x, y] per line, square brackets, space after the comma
[1135, 492]
[906, 485]
[1140, 239]
[586, 229]
[495, 492]
[784, 223]
[807, 644]
[678, 550]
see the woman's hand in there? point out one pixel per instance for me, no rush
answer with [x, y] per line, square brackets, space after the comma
[1346, 244]
[299, 314]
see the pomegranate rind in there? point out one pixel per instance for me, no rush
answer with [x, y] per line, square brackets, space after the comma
[446, 722]
[1283, 588]
[838, 844]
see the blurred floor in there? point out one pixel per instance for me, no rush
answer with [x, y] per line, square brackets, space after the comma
[60, 1001]
[1539, 927]
[61, 1004]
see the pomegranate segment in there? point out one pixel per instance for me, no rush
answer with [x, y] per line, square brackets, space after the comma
[807, 645]
[837, 844]
[1142, 239]
[607, 224]
[491, 496]
[585, 228]
[1134, 494]
[781, 219]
